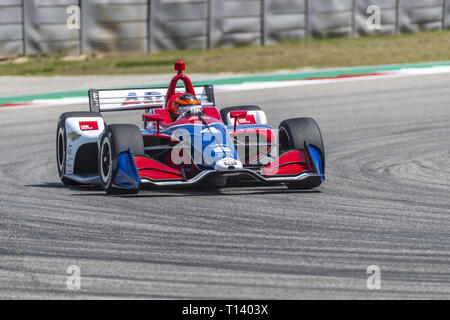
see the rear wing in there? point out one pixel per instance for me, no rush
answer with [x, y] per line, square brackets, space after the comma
[137, 99]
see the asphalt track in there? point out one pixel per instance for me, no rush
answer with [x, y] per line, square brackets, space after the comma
[386, 203]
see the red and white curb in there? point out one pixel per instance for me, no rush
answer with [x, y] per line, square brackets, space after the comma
[258, 85]
[407, 72]
[45, 103]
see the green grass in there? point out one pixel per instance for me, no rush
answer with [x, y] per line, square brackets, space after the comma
[419, 47]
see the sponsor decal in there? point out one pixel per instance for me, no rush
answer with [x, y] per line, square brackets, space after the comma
[88, 125]
[250, 119]
[149, 97]
[131, 99]
[74, 136]
[230, 162]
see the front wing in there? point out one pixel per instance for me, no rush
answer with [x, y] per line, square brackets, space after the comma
[295, 166]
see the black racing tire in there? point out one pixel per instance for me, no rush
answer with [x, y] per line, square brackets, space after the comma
[61, 140]
[224, 112]
[117, 138]
[293, 134]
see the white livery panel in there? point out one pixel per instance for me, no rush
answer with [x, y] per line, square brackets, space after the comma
[80, 131]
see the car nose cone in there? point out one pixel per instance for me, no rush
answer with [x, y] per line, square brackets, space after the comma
[228, 164]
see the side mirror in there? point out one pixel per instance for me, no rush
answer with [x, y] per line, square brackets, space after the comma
[236, 115]
[153, 118]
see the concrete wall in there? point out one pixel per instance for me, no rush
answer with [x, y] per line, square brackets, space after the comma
[140, 26]
[11, 28]
[45, 27]
[178, 24]
[114, 26]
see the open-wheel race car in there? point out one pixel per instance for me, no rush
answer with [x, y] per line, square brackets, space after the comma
[185, 142]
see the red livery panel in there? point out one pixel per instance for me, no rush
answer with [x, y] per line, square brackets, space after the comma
[154, 170]
[291, 163]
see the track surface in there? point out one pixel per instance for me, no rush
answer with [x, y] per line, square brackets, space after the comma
[386, 203]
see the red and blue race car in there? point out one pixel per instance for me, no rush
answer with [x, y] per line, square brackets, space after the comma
[185, 141]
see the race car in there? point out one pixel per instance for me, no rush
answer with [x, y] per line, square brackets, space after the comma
[185, 141]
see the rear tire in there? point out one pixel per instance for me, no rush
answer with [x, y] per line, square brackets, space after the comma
[115, 140]
[224, 112]
[293, 134]
[61, 143]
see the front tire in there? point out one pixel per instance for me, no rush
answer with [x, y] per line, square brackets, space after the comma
[293, 135]
[115, 140]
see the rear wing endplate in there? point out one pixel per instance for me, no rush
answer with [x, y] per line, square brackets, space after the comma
[137, 99]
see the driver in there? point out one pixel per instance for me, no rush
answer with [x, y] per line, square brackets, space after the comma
[185, 105]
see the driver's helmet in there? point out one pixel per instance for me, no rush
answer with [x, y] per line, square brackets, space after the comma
[186, 103]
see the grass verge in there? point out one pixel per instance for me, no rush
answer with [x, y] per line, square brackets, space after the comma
[319, 53]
